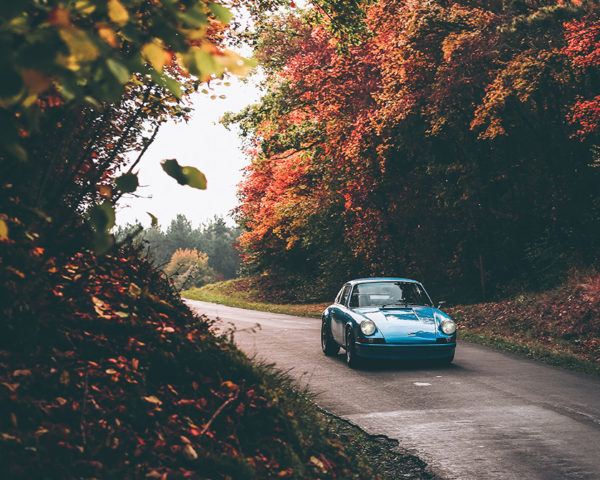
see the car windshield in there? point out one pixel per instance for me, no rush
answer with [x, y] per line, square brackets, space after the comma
[380, 294]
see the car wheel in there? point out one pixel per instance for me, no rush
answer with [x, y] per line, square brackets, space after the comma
[328, 344]
[447, 360]
[352, 359]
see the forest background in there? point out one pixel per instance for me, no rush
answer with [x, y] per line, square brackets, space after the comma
[191, 257]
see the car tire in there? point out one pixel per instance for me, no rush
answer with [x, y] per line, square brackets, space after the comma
[447, 360]
[352, 359]
[328, 345]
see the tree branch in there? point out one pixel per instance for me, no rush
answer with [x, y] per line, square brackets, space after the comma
[219, 410]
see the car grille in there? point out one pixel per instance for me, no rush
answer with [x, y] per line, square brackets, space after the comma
[370, 340]
[451, 339]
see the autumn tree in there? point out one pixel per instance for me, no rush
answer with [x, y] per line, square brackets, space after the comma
[85, 88]
[583, 48]
[189, 268]
[436, 147]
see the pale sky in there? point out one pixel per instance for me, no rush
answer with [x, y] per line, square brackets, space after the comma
[202, 143]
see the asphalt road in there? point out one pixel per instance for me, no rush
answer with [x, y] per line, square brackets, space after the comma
[490, 415]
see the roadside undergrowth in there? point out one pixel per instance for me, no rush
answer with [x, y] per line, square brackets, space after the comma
[560, 326]
[105, 373]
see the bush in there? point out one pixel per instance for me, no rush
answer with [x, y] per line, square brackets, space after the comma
[189, 268]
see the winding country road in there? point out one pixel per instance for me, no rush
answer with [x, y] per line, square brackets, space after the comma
[490, 415]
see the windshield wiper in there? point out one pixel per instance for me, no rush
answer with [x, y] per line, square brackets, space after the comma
[394, 305]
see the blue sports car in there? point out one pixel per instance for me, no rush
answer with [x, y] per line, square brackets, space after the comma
[387, 318]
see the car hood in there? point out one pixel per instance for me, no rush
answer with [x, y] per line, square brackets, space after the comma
[403, 324]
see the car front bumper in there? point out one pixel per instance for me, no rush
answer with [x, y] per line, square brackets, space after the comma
[406, 352]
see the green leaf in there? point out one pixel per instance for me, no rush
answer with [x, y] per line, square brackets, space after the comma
[103, 242]
[127, 183]
[102, 217]
[203, 63]
[119, 70]
[184, 175]
[173, 169]
[66, 91]
[220, 12]
[194, 17]
[93, 102]
[167, 83]
[195, 178]
[173, 86]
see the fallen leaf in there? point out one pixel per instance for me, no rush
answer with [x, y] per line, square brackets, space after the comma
[153, 400]
[11, 386]
[189, 452]
[7, 436]
[18, 273]
[229, 386]
[3, 231]
[65, 378]
[318, 463]
[134, 290]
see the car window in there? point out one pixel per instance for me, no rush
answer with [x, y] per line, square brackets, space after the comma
[375, 294]
[344, 296]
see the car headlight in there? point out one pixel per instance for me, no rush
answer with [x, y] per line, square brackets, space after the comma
[367, 327]
[448, 326]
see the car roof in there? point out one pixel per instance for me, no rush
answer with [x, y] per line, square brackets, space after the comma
[381, 279]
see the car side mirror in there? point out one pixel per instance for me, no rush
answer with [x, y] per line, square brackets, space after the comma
[441, 303]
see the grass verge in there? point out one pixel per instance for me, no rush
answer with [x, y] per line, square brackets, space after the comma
[540, 353]
[226, 293]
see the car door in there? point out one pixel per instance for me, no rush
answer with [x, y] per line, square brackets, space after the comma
[339, 316]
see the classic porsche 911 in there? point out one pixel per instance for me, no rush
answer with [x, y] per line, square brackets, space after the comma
[387, 318]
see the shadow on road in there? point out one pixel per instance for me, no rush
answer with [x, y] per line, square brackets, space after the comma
[373, 365]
